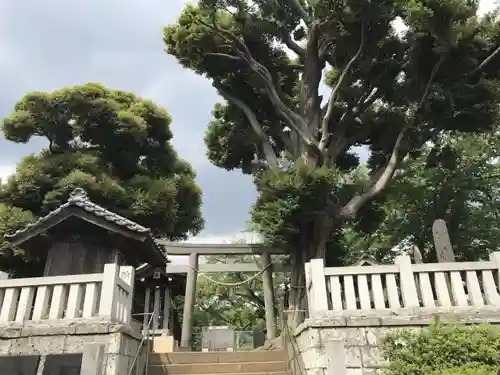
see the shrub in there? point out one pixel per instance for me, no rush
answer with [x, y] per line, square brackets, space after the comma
[469, 370]
[441, 347]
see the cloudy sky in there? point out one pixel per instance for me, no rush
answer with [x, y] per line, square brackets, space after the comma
[46, 45]
[50, 44]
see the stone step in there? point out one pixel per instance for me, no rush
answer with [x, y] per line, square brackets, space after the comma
[178, 358]
[222, 368]
[161, 370]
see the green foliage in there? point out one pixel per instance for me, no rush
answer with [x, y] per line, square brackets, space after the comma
[441, 347]
[456, 180]
[435, 80]
[230, 300]
[14, 260]
[111, 143]
[469, 370]
[291, 199]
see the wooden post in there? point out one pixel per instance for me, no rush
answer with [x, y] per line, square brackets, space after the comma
[189, 301]
[442, 243]
[407, 281]
[269, 302]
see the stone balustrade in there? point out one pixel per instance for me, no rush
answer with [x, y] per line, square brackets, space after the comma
[352, 308]
[106, 295]
[403, 285]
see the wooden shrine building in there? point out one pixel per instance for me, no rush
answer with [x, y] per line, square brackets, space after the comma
[81, 237]
[90, 256]
[155, 292]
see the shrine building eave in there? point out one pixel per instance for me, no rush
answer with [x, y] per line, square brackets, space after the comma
[81, 207]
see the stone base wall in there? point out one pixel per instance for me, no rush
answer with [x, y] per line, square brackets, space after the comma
[324, 343]
[120, 342]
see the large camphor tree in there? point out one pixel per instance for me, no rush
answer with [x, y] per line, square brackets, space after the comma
[111, 143]
[388, 91]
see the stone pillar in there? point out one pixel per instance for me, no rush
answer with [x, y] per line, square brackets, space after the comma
[166, 309]
[156, 311]
[267, 280]
[146, 317]
[189, 300]
[442, 243]
[92, 359]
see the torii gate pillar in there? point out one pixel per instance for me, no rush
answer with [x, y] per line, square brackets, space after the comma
[189, 301]
[267, 281]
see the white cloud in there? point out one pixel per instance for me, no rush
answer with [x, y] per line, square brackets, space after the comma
[165, 90]
[245, 237]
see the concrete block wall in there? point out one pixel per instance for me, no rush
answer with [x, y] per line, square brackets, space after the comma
[119, 341]
[324, 343]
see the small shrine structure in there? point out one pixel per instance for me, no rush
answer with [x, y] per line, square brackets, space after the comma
[77, 315]
[81, 237]
[155, 292]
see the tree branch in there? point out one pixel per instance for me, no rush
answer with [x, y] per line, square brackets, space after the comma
[484, 62]
[311, 100]
[383, 176]
[325, 131]
[212, 311]
[301, 10]
[257, 164]
[267, 148]
[225, 55]
[291, 44]
[295, 121]
[249, 294]
[382, 179]
[341, 142]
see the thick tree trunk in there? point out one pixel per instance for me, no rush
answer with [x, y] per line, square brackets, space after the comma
[312, 246]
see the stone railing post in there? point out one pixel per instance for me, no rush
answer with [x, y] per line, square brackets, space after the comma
[407, 282]
[127, 274]
[318, 287]
[109, 288]
[495, 257]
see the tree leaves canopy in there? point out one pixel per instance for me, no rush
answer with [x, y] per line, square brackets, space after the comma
[389, 92]
[111, 143]
[456, 180]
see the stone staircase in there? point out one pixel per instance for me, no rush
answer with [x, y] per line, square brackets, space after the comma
[214, 363]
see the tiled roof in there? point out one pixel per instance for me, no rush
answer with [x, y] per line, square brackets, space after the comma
[79, 198]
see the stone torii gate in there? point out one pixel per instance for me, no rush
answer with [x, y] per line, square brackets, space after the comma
[193, 267]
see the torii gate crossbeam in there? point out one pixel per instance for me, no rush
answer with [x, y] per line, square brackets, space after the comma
[195, 250]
